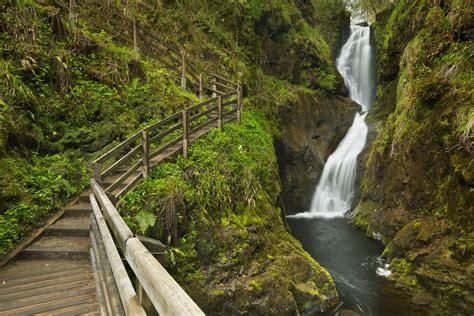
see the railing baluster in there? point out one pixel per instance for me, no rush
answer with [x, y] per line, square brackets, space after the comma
[219, 112]
[214, 87]
[183, 70]
[135, 34]
[145, 154]
[239, 102]
[185, 134]
[72, 13]
[200, 87]
[135, 29]
[97, 174]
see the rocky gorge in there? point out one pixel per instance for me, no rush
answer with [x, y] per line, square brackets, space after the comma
[223, 213]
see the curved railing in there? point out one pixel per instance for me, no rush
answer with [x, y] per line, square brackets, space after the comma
[121, 168]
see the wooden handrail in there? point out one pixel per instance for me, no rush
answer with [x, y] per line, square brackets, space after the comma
[223, 85]
[121, 161]
[117, 148]
[127, 293]
[165, 132]
[203, 113]
[224, 79]
[167, 296]
[201, 104]
[133, 158]
[125, 176]
[192, 114]
[164, 121]
[121, 231]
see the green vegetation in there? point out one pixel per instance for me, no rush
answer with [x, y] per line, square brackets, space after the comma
[63, 101]
[68, 94]
[72, 92]
[217, 211]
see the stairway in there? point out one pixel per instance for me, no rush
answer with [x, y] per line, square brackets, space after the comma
[54, 274]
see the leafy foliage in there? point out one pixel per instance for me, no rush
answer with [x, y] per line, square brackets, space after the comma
[226, 172]
[63, 101]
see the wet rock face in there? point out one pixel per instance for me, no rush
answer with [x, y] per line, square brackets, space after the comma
[416, 190]
[312, 129]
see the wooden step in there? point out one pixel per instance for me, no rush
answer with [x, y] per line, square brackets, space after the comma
[81, 309]
[46, 289]
[83, 208]
[55, 304]
[39, 285]
[78, 226]
[37, 277]
[29, 268]
[58, 247]
[47, 297]
[50, 286]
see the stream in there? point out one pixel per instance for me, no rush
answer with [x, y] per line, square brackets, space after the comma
[350, 257]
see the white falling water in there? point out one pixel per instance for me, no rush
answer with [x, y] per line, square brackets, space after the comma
[335, 190]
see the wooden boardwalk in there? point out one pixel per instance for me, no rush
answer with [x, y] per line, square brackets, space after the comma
[66, 269]
[55, 275]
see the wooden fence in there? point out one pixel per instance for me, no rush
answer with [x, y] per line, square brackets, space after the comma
[127, 30]
[167, 296]
[117, 171]
[120, 169]
[124, 166]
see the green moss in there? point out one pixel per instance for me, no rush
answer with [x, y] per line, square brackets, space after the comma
[256, 284]
[228, 222]
[424, 131]
[217, 292]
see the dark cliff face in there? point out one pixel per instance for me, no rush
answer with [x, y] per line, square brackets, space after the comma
[416, 191]
[312, 129]
[314, 124]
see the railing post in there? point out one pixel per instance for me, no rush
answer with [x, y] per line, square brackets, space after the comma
[135, 34]
[145, 154]
[97, 174]
[185, 134]
[135, 28]
[72, 13]
[219, 112]
[200, 87]
[140, 292]
[214, 88]
[183, 70]
[239, 102]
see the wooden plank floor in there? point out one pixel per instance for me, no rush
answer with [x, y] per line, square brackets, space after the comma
[52, 286]
[54, 274]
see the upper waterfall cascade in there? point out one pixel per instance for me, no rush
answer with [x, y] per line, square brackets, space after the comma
[335, 190]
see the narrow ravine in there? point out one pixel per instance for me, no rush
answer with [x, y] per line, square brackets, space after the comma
[351, 257]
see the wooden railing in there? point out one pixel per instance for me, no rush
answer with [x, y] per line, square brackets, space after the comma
[126, 29]
[131, 161]
[167, 297]
[120, 169]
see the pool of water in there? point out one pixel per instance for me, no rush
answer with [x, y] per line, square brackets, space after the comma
[352, 259]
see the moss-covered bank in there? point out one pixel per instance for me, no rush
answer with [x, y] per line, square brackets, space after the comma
[66, 95]
[417, 190]
[232, 252]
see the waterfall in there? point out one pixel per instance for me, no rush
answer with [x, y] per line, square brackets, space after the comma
[335, 190]
[355, 64]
